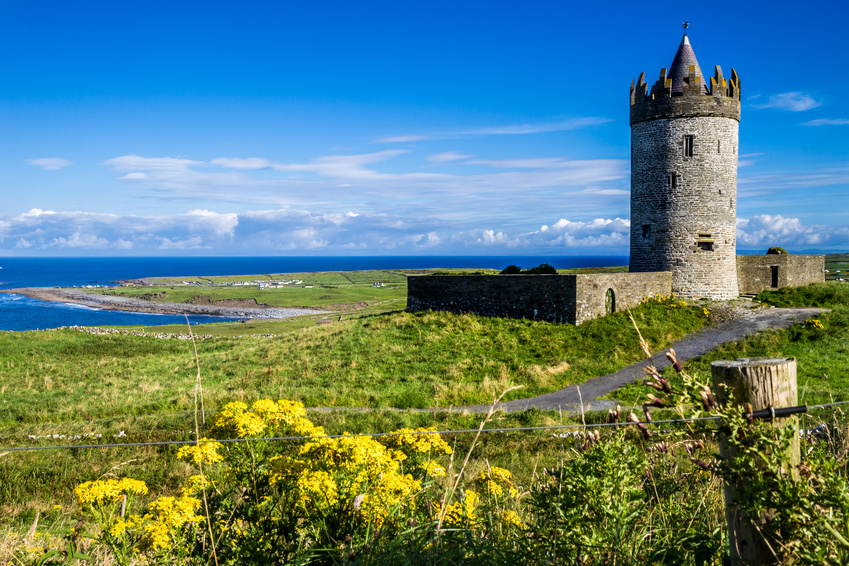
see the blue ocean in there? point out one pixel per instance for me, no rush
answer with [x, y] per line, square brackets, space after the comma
[22, 313]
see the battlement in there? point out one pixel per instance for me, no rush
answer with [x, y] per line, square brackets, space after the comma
[721, 99]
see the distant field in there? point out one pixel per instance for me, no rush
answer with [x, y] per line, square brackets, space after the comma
[837, 262]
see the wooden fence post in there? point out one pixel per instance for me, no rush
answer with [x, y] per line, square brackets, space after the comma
[762, 383]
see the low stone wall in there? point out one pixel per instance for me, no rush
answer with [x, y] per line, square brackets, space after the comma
[570, 299]
[629, 289]
[535, 297]
[756, 273]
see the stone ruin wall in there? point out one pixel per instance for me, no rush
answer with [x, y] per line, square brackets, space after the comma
[570, 299]
[534, 297]
[755, 272]
[629, 289]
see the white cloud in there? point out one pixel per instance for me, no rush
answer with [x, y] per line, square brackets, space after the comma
[827, 122]
[69, 231]
[50, 163]
[540, 163]
[609, 234]
[401, 139]
[791, 101]
[136, 163]
[507, 130]
[446, 156]
[824, 177]
[136, 176]
[239, 163]
[539, 127]
[764, 230]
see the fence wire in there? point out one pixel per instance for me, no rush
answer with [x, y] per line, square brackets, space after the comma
[378, 434]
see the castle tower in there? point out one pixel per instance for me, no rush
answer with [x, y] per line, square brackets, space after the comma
[684, 136]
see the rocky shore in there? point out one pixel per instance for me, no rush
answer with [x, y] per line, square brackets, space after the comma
[111, 302]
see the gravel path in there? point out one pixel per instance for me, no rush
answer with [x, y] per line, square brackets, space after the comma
[112, 302]
[741, 323]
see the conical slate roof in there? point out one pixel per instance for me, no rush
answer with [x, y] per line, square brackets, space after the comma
[680, 67]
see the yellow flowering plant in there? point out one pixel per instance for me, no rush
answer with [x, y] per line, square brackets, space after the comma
[357, 478]
[497, 482]
[167, 522]
[106, 501]
[418, 445]
[258, 501]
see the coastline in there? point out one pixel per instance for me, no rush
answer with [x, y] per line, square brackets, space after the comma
[126, 304]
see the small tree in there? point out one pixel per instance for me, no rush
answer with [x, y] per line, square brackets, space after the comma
[776, 250]
[543, 268]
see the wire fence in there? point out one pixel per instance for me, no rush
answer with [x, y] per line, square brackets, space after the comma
[799, 409]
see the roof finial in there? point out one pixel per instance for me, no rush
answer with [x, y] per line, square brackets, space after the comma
[686, 25]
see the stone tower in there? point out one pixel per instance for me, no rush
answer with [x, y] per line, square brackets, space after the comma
[684, 136]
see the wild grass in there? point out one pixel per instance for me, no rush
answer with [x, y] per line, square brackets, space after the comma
[822, 353]
[401, 360]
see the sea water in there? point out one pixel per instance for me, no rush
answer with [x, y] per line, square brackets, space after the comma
[23, 313]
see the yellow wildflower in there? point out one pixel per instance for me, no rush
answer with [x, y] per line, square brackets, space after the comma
[263, 418]
[175, 511]
[196, 484]
[460, 511]
[167, 516]
[510, 519]
[156, 536]
[99, 492]
[204, 452]
[121, 524]
[417, 441]
[495, 480]
[434, 470]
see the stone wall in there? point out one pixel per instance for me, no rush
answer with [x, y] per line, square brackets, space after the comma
[756, 273]
[629, 289]
[535, 297]
[570, 299]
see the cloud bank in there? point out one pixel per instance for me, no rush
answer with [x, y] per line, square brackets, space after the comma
[298, 232]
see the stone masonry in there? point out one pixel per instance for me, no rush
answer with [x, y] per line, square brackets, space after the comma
[570, 299]
[756, 273]
[684, 178]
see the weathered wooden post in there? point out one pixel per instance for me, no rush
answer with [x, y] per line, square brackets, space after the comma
[762, 383]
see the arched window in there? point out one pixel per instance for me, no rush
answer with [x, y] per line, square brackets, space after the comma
[609, 302]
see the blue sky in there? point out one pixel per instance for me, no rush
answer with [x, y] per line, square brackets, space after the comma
[377, 128]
